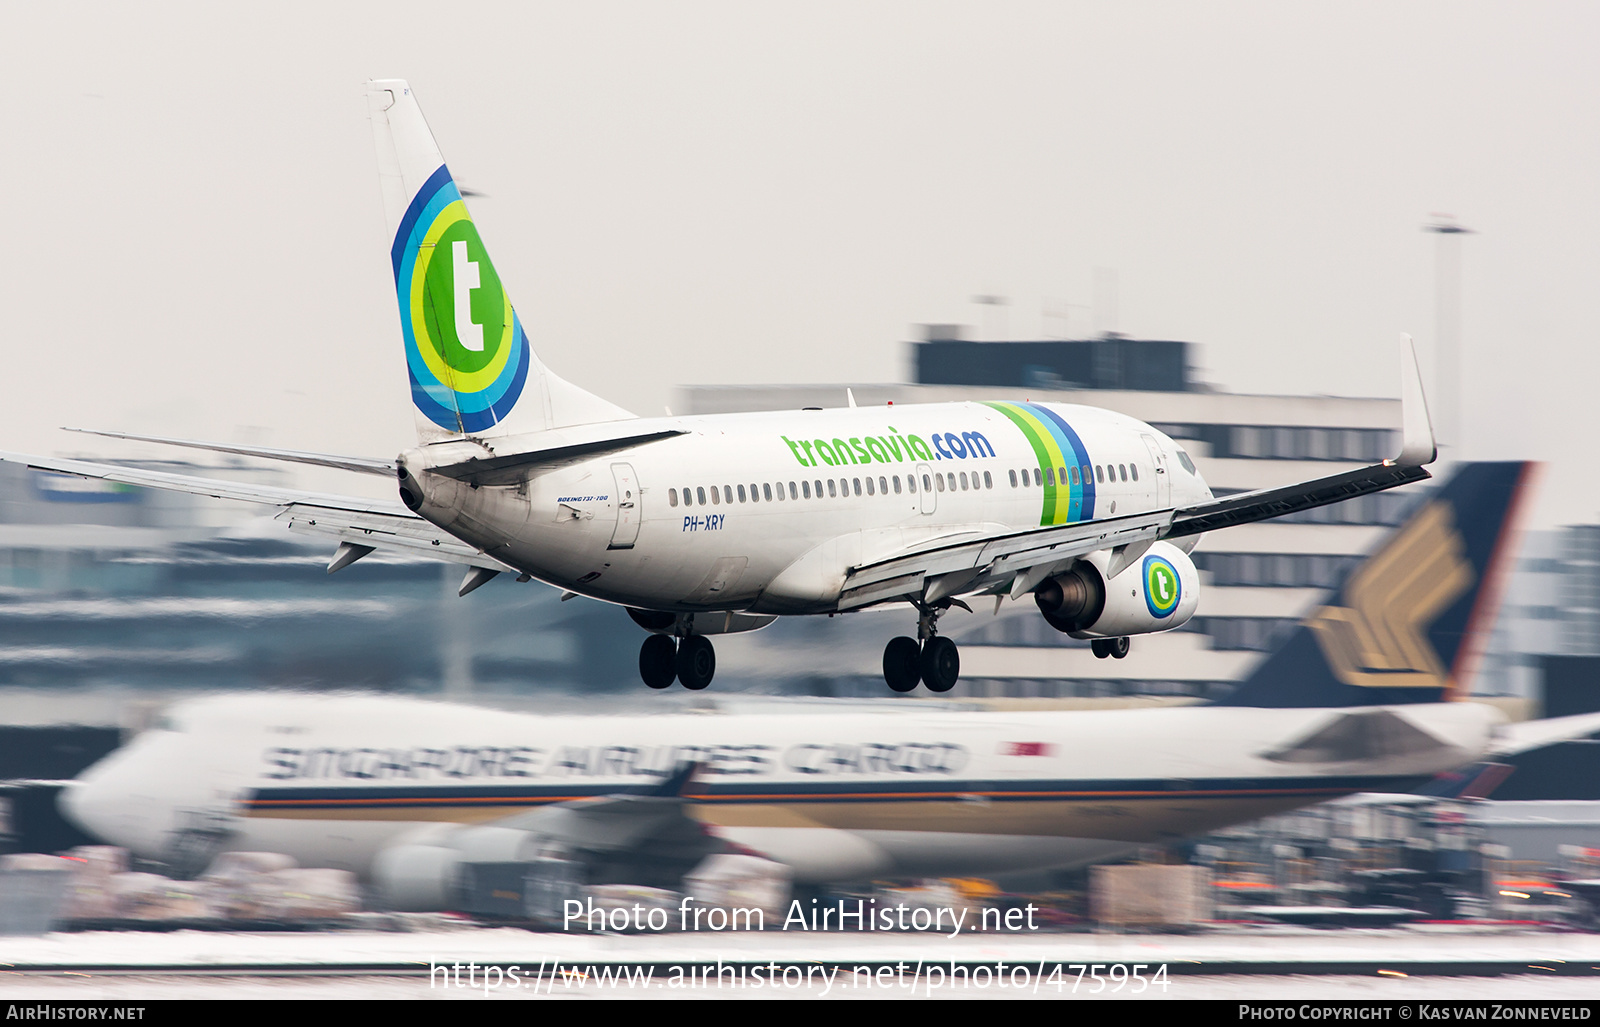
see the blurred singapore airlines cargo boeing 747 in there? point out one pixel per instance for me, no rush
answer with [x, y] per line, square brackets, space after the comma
[405, 791]
[706, 525]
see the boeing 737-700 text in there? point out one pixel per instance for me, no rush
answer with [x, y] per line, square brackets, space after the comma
[706, 525]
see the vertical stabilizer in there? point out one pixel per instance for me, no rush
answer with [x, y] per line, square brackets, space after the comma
[471, 368]
[1408, 623]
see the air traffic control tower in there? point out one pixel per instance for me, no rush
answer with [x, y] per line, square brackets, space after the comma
[1259, 579]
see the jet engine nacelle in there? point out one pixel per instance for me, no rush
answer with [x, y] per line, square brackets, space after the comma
[1158, 591]
[426, 874]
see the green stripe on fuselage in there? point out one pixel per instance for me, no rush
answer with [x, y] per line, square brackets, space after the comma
[1056, 508]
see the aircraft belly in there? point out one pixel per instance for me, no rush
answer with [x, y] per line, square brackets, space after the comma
[1135, 820]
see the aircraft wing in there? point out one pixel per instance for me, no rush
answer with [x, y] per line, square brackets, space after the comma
[1018, 561]
[352, 519]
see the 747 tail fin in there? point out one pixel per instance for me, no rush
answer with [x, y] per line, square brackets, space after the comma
[1408, 623]
[471, 367]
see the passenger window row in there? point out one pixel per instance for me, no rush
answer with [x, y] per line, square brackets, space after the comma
[769, 492]
[1038, 476]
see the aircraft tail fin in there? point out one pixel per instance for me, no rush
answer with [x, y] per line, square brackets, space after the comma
[471, 367]
[1408, 623]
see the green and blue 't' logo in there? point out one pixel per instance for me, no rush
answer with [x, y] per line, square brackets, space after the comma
[1162, 589]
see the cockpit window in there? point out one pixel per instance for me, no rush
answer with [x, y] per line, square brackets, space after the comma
[1183, 458]
[166, 722]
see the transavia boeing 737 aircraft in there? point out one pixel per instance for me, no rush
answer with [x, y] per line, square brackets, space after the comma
[706, 525]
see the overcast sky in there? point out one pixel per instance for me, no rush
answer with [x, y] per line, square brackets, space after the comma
[777, 192]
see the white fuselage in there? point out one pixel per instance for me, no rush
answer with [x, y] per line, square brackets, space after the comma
[766, 512]
[334, 781]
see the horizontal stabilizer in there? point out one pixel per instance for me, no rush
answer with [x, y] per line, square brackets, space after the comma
[514, 467]
[363, 465]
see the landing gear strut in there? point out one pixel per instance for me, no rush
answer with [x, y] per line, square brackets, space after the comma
[934, 662]
[1115, 647]
[664, 659]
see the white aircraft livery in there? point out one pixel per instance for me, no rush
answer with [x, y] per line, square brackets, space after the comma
[706, 525]
[404, 791]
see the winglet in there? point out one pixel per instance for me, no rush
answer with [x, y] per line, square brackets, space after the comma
[1417, 445]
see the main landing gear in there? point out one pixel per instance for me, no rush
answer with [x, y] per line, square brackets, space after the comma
[934, 661]
[1103, 647]
[663, 659]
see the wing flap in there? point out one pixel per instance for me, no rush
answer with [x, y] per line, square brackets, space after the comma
[995, 558]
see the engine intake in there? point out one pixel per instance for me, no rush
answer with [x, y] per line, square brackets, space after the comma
[1072, 601]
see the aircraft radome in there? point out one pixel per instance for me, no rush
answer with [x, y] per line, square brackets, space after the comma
[706, 525]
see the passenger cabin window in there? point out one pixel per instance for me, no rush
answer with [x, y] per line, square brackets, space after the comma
[1122, 472]
[831, 492]
[988, 482]
[716, 496]
[741, 493]
[1133, 469]
[794, 493]
[805, 488]
[1099, 474]
[701, 492]
[672, 497]
[1038, 477]
[819, 489]
[766, 490]
[1013, 479]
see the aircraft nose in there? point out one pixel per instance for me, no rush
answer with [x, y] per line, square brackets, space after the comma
[107, 803]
